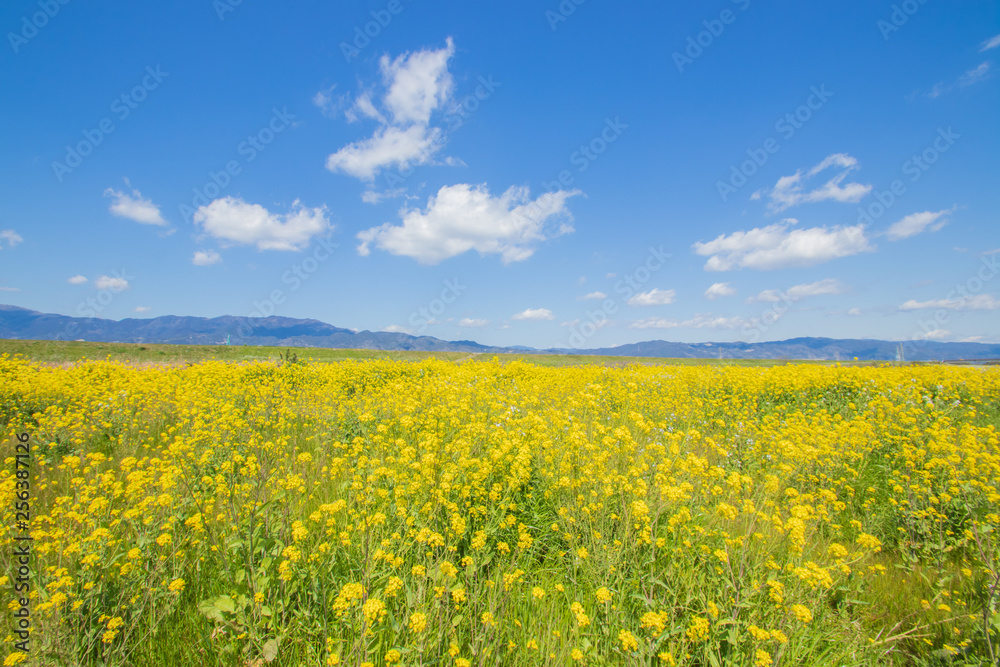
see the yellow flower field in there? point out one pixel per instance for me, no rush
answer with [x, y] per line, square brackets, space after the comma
[435, 513]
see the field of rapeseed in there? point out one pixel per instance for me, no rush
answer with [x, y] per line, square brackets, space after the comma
[434, 513]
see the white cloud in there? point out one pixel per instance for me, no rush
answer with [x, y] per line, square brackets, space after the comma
[699, 321]
[854, 312]
[466, 217]
[417, 85]
[818, 288]
[328, 104]
[233, 220]
[373, 197]
[991, 43]
[594, 296]
[654, 297]
[114, 284]
[534, 314]
[936, 334]
[719, 290]
[917, 223]
[11, 237]
[778, 247]
[977, 302]
[4, 288]
[975, 75]
[790, 190]
[206, 258]
[77, 280]
[472, 322]
[797, 292]
[389, 146]
[134, 207]
[395, 328]
[141, 309]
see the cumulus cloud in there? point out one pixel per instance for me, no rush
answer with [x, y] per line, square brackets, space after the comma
[654, 297]
[232, 220]
[534, 314]
[594, 296]
[389, 146]
[778, 246]
[206, 258]
[797, 292]
[11, 237]
[699, 321]
[977, 302]
[472, 322]
[416, 85]
[719, 290]
[791, 190]
[134, 207]
[917, 223]
[466, 217]
[77, 280]
[113, 283]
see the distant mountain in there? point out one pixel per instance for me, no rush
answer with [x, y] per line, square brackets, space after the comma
[805, 348]
[22, 323]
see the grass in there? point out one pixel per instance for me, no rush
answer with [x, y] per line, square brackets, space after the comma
[61, 352]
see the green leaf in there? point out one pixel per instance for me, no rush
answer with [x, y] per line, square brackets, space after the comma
[270, 651]
[457, 620]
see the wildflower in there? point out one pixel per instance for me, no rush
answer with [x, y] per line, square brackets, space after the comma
[418, 622]
[801, 612]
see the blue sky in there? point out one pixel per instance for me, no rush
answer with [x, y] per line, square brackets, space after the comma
[528, 173]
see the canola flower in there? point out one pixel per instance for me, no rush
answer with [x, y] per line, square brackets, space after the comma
[435, 513]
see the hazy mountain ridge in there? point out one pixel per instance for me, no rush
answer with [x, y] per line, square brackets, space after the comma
[23, 323]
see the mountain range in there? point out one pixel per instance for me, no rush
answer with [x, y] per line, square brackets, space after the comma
[23, 323]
